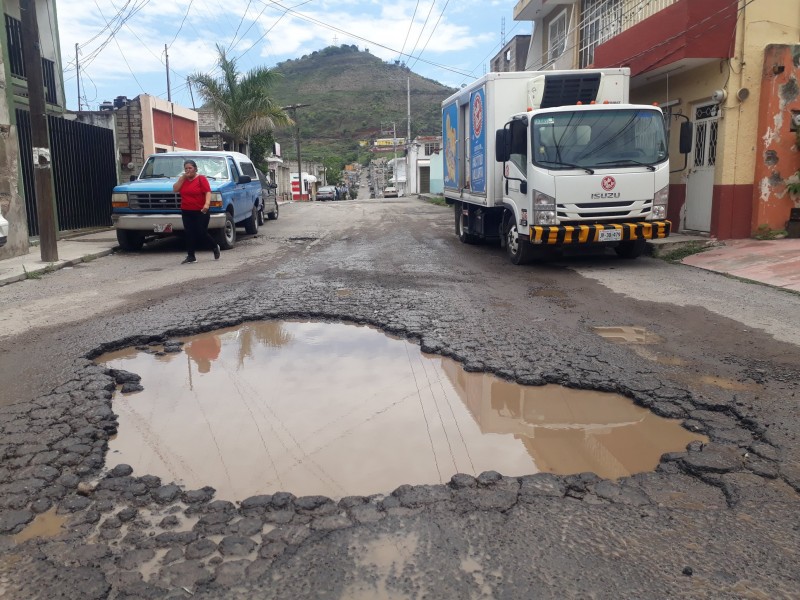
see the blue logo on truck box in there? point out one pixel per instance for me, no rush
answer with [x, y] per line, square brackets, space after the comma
[450, 138]
[477, 142]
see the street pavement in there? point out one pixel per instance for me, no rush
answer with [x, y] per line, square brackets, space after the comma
[770, 262]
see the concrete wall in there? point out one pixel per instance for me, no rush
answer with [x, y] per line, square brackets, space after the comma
[12, 202]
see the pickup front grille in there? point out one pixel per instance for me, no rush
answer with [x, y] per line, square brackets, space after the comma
[154, 201]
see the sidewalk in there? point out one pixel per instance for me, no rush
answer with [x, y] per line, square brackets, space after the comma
[772, 262]
[71, 251]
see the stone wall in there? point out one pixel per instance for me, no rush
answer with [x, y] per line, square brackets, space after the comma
[130, 140]
[12, 201]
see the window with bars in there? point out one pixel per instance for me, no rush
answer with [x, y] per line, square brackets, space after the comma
[17, 64]
[600, 21]
[431, 148]
[557, 36]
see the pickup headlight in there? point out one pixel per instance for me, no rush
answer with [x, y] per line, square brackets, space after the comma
[544, 209]
[660, 201]
[119, 200]
[216, 200]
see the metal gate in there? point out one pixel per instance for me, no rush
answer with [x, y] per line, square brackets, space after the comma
[84, 172]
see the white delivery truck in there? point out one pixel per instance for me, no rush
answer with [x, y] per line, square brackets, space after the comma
[555, 158]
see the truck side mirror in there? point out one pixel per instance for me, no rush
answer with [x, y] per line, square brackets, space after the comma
[502, 145]
[686, 138]
[244, 179]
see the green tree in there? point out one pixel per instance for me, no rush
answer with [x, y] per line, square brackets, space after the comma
[242, 100]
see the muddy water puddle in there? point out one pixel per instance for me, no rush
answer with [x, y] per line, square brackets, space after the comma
[45, 525]
[338, 410]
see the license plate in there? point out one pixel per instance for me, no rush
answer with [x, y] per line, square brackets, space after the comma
[609, 235]
[167, 228]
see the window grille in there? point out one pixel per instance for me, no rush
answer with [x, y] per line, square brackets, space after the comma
[557, 35]
[600, 21]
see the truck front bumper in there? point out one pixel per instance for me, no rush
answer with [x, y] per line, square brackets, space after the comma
[158, 223]
[591, 234]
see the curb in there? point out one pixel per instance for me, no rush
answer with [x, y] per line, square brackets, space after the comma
[57, 266]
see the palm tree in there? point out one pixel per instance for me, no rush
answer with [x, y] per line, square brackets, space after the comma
[241, 100]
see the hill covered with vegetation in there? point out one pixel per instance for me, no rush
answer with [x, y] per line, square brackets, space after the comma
[351, 94]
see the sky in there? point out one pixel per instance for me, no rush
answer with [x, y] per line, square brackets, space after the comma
[121, 43]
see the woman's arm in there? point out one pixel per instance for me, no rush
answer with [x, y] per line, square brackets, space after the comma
[176, 187]
[207, 205]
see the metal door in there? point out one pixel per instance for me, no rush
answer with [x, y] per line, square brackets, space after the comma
[700, 179]
[424, 180]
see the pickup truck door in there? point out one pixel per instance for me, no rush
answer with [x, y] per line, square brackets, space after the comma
[239, 199]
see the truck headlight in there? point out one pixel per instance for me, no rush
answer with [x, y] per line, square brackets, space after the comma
[545, 217]
[119, 200]
[660, 201]
[216, 200]
[544, 209]
[543, 201]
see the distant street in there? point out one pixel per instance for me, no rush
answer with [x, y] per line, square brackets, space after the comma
[721, 355]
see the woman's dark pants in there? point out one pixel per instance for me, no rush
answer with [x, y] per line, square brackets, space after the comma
[195, 228]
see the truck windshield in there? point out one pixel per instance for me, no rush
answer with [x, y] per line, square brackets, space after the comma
[599, 139]
[170, 165]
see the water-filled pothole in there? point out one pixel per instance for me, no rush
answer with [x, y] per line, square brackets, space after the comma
[338, 410]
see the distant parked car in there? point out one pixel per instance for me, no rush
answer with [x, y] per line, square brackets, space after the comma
[3, 231]
[390, 192]
[326, 192]
[269, 199]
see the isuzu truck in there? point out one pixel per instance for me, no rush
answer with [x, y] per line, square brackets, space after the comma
[555, 158]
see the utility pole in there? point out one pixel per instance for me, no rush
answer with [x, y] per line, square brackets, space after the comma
[78, 75]
[169, 98]
[293, 109]
[40, 141]
[408, 136]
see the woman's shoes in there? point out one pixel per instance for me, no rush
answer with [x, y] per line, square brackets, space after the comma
[216, 252]
[189, 259]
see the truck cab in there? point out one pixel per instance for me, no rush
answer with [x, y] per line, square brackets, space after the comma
[147, 208]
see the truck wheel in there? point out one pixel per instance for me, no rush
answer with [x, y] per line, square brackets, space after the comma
[251, 223]
[461, 231]
[260, 220]
[273, 215]
[226, 237]
[631, 249]
[130, 241]
[518, 248]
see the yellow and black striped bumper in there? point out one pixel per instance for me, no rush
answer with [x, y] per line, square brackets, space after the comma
[588, 234]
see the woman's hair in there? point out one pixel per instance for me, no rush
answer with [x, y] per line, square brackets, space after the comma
[189, 161]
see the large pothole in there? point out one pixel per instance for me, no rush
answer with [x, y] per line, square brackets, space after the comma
[338, 410]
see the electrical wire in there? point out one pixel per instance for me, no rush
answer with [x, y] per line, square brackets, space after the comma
[424, 25]
[186, 14]
[431, 33]
[410, 25]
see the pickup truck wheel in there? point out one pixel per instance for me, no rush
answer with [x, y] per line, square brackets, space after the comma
[272, 216]
[518, 248]
[461, 231]
[631, 249]
[130, 241]
[251, 223]
[226, 237]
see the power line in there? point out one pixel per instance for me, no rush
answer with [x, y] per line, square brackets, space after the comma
[431, 33]
[186, 14]
[425, 24]
[410, 25]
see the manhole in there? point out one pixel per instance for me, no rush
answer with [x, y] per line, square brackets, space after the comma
[338, 410]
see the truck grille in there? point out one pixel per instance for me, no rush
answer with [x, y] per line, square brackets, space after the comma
[154, 201]
[632, 209]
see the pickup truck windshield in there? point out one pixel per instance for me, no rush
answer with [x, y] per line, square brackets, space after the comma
[599, 139]
[172, 166]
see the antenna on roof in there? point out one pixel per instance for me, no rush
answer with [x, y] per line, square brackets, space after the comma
[502, 32]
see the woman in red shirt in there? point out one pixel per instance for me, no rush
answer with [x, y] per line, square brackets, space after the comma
[195, 202]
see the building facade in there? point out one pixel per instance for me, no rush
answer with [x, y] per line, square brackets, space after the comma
[513, 56]
[423, 154]
[729, 67]
[14, 98]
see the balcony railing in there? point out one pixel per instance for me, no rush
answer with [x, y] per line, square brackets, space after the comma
[642, 10]
[17, 63]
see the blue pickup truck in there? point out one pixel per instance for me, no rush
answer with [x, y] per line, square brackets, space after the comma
[146, 207]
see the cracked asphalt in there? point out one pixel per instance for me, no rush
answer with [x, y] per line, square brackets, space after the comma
[715, 521]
